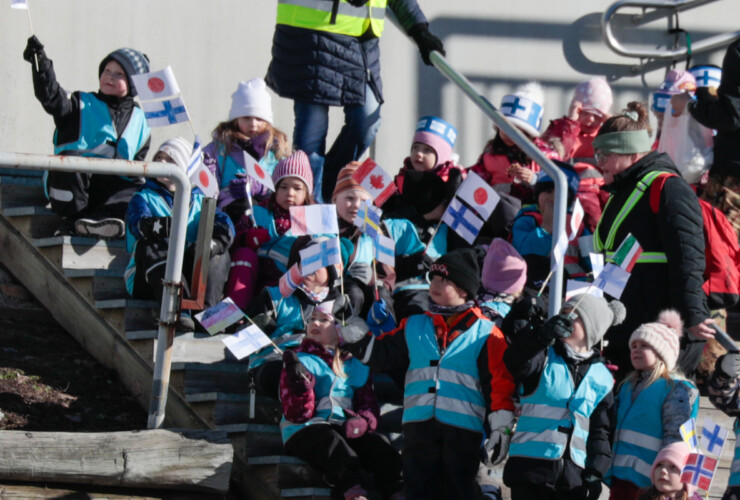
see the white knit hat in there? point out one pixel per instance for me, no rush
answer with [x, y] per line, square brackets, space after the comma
[179, 150]
[525, 108]
[664, 336]
[251, 99]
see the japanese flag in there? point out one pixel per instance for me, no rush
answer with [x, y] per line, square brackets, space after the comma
[256, 172]
[156, 85]
[375, 180]
[478, 194]
[205, 180]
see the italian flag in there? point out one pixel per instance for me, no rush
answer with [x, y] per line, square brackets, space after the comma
[627, 254]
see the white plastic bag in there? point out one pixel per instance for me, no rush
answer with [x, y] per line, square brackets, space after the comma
[688, 143]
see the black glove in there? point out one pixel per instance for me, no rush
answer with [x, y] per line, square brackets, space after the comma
[426, 41]
[154, 228]
[559, 326]
[454, 180]
[34, 47]
[357, 3]
[590, 488]
[527, 315]
[297, 376]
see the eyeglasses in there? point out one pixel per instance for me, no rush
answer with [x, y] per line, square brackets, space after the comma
[601, 157]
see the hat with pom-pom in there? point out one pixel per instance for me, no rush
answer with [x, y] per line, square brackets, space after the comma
[595, 95]
[525, 108]
[596, 314]
[664, 336]
[504, 269]
[438, 135]
[707, 75]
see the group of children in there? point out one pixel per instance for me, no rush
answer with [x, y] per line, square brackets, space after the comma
[481, 369]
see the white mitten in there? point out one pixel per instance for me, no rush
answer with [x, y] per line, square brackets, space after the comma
[354, 330]
[501, 423]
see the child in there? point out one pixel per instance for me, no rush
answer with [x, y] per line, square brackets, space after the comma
[653, 402]
[562, 443]
[457, 388]
[248, 129]
[724, 393]
[503, 276]
[148, 220]
[104, 124]
[331, 413]
[502, 164]
[666, 475]
[293, 182]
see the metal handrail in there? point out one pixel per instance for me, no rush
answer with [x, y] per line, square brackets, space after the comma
[532, 151]
[674, 5]
[175, 251]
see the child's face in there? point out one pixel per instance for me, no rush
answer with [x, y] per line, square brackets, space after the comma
[423, 157]
[546, 200]
[321, 329]
[317, 281]
[348, 203]
[667, 478]
[165, 158]
[589, 122]
[577, 339]
[251, 126]
[113, 80]
[643, 356]
[445, 293]
[290, 192]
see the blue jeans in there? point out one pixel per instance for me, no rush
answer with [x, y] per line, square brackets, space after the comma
[361, 123]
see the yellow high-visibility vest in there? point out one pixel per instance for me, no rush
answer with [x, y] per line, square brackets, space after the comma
[317, 15]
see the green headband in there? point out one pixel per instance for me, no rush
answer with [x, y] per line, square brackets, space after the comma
[628, 142]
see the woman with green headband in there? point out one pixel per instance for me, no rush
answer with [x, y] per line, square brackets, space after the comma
[669, 272]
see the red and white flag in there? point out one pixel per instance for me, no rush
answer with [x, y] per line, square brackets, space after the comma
[478, 194]
[205, 180]
[256, 172]
[156, 85]
[290, 281]
[375, 180]
[313, 219]
[576, 217]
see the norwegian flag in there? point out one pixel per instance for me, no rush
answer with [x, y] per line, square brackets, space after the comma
[313, 219]
[156, 85]
[368, 219]
[699, 471]
[462, 220]
[627, 253]
[478, 194]
[290, 281]
[256, 172]
[375, 180]
[205, 180]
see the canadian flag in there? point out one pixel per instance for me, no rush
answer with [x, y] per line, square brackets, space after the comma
[478, 194]
[256, 172]
[375, 180]
[156, 85]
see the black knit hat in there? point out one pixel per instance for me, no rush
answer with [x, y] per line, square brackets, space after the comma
[461, 267]
[132, 61]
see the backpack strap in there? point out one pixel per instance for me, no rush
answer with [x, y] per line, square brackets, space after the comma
[656, 188]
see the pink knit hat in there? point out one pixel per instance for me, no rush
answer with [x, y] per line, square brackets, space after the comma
[678, 81]
[595, 95]
[438, 135]
[504, 270]
[664, 336]
[676, 454]
[295, 165]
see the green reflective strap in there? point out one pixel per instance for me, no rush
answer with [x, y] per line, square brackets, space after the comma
[644, 258]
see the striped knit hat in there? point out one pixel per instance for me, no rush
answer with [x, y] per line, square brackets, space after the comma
[664, 336]
[295, 165]
[345, 182]
[132, 61]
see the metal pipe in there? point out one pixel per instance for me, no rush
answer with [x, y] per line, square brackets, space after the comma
[673, 5]
[173, 269]
[532, 151]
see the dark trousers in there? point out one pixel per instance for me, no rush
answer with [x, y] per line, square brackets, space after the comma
[439, 461]
[369, 461]
[538, 492]
[98, 196]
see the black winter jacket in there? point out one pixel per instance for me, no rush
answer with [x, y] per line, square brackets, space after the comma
[677, 230]
[525, 359]
[722, 112]
[331, 69]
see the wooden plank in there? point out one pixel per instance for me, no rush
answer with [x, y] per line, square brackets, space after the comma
[12, 490]
[33, 225]
[166, 459]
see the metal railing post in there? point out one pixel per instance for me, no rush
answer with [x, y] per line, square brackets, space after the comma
[532, 151]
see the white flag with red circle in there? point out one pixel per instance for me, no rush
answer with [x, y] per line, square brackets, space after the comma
[256, 172]
[375, 180]
[205, 180]
[156, 85]
[478, 194]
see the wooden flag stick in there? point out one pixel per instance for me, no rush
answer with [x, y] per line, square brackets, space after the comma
[249, 200]
[375, 282]
[547, 280]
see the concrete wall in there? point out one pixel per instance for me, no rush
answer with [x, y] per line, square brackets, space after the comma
[211, 45]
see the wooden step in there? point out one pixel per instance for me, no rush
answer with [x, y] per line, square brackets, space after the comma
[214, 377]
[306, 493]
[21, 191]
[220, 408]
[128, 314]
[290, 472]
[81, 252]
[260, 439]
[33, 221]
[186, 350]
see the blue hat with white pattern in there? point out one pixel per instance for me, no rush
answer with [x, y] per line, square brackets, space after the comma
[525, 108]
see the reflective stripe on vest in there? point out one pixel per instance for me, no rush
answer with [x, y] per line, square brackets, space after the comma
[333, 394]
[444, 386]
[735, 467]
[98, 136]
[319, 15]
[557, 412]
[637, 193]
[644, 258]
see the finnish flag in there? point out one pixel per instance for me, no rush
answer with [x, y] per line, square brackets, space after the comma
[164, 113]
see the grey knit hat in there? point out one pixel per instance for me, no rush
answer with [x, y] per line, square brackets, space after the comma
[132, 61]
[596, 314]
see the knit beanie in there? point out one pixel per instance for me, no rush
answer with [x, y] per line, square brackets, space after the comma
[664, 336]
[461, 267]
[525, 108]
[132, 61]
[676, 82]
[179, 150]
[595, 95]
[596, 314]
[251, 99]
[295, 165]
[345, 182]
[676, 453]
[504, 270]
[438, 135]
[707, 75]
[546, 183]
